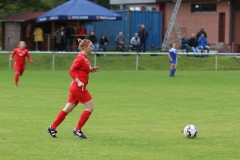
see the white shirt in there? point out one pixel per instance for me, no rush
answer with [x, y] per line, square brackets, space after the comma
[134, 41]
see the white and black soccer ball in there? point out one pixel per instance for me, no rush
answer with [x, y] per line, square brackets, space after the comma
[190, 131]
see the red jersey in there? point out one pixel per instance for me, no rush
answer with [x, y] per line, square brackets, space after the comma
[21, 55]
[80, 69]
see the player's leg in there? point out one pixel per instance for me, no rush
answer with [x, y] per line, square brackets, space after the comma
[22, 69]
[62, 114]
[17, 69]
[60, 117]
[16, 78]
[71, 104]
[86, 99]
[172, 69]
[83, 119]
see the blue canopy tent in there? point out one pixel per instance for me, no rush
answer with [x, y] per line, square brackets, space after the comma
[78, 10]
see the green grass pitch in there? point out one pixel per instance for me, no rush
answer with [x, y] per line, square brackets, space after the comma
[138, 115]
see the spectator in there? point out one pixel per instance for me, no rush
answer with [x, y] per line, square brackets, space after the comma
[201, 32]
[120, 42]
[135, 42]
[103, 43]
[143, 35]
[94, 40]
[82, 30]
[184, 43]
[60, 39]
[202, 44]
[193, 43]
[69, 35]
[38, 38]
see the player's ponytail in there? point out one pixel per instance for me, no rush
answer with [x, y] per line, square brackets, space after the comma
[79, 40]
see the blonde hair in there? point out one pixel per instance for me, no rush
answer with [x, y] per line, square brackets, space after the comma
[82, 43]
[20, 44]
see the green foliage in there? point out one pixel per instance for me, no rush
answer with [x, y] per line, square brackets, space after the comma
[138, 115]
[12, 7]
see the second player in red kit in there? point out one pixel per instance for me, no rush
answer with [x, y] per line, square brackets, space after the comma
[20, 62]
[79, 72]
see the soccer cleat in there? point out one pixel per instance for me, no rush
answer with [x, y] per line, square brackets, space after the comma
[52, 132]
[79, 133]
[16, 85]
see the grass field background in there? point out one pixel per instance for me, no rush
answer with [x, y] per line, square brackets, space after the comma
[138, 114]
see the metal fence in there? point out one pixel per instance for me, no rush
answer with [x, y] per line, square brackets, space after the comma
[121, 53]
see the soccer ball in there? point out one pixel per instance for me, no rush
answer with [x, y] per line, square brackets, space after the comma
[190, 131]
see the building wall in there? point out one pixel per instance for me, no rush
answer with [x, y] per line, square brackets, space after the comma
[11, 35]
[131, 25]
[191, 22]
[131, 1]
[237, 32]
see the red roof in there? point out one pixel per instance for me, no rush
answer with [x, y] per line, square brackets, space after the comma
[22, 17]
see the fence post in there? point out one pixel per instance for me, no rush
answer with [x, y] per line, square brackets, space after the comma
[137, 62]
[216, 62]
[48, 35]
[95, 59]
[9, 63]
[8, 43]
[53, 60]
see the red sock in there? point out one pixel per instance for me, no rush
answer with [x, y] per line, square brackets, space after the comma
[16, 78]
[60, 117]
[83, 119]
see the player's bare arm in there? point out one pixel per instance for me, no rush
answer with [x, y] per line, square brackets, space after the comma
[80, 84]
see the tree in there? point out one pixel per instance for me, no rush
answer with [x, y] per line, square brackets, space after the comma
[10, 7]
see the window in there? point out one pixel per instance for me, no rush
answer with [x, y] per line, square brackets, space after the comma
[135, 8]
[150, 8]
[237, 6]
[203, 8]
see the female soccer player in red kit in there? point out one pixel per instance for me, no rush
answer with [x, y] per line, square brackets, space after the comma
[20, 61]
[79, 72]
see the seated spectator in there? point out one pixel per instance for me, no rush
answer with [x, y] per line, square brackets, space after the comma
[193, 43]
[184, 43]
[103, 43]
[135, 42]
[94, 41]
[120, 42]
[202, 43]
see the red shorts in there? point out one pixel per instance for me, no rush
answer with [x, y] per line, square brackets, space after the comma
[19, 67]
[78, 95]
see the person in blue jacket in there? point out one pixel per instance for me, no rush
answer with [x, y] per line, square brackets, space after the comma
[202, 43]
